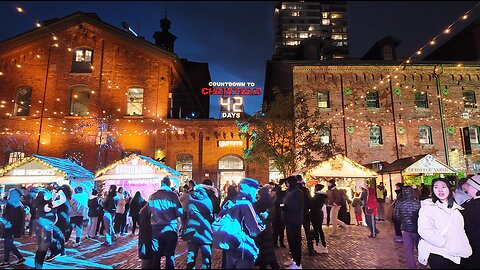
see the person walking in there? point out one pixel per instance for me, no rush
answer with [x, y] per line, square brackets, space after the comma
[12, 218]
[165, 209]
[61, 197]
[441, 227]
[110, 207]
[198, 230]
[212, 194]
[264, 241]
[381, 196]
[406, 212]
[336, 200]
[138, 202]
[471, 216]
[371, 212]
[46, 218]
[319, 200]
[78, 211]
[93, 214]
[293, 218]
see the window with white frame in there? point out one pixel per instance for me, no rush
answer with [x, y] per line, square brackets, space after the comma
[79, 100]
[375, 133]
[474, 133]
[469, 100]
[324, 134]
[184, 165]
[135, 101]
[421, 100]
[372, 99]
[425, 135]
[323, 99]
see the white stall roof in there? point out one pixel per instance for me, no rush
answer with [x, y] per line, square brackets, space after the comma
[340, 166]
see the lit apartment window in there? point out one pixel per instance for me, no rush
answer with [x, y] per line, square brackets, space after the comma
[324, 134]
[336, 16]
[184, 165]
[421, 100]
[22, 101]
[15, 156]
[311, 28]
[375, 133]
[337, 37]
[474, 133]
[79, 99]
[284, 6]
[326, 21]
[303, 35]
[324, 15]
[293, 42]
[323, 99]
[469, 100]
[135, 101]
[82, 61]
[295, 14]
[372, 99]
[425, 135]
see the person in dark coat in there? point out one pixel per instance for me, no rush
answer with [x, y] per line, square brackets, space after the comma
[93, 214]
[13, 217]
[138, 202]
[397, 223]
[316, 213]
[307, 201]
[212, 194]
[46, 218]
[61, 203]
[199, 227]
[471, 216]
[264, 241]
[145, 248]
[293, 218]
[278, 225]
[232, 194]
[110, 207]
[406, 212]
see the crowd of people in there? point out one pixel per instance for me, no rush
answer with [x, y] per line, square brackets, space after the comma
[248, 224]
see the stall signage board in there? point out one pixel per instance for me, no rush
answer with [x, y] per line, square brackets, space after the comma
[428, 165]
[32, 168]
[230, 144]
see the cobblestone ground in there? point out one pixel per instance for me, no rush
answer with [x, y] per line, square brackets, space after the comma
[355, 251]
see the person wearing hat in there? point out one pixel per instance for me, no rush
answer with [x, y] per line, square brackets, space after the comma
[471, 215]
[319, 200]
[443, 240]
[460, 195]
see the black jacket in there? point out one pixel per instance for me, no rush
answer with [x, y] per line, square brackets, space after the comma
[264, 240]
[93, 207]
[319, 200]
[406, 210]
[135, 207]
[293, 206]
[110, 203]
[16, 216]
[307, 201]
[471, 215]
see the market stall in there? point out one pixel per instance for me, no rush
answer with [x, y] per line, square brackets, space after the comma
[137, 173]
[416, 166]
[41, 170]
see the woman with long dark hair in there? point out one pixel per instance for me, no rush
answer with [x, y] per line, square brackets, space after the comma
[137, 203]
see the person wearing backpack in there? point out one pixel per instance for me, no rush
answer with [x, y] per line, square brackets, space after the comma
[246, 226]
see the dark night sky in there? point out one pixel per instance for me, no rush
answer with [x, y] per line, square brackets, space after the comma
[236, 38]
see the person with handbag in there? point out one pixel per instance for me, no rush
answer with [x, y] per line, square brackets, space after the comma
[441, 227]
[198, 231]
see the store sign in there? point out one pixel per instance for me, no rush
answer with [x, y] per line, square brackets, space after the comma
[428, 165]
[36, 172]
[132, 169]
[336, 164]
[230, 143]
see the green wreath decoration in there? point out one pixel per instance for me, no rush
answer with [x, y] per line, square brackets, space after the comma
[451, 130]
[350, 130]
[445, 91]
[348, 91]
[401, 130]
[398, 91]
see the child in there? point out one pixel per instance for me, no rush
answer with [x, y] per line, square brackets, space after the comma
[357, 204]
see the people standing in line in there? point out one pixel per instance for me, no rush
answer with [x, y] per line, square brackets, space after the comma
[336, 200]
[371, 210]
[406, 212]
[381, 196]
[242, 211]
[307, 201]
[460, 194]
[212, 194]
[441, 227]
[316, 213]
[110, 208]
[471, 216]
[396, 223]
[61, 197]
[119, 221]
[198, 230]
[264, 241]
[278, 224]
[46, 218]
[424, 192]
[78, 212]
[93, 213]
[13, 216]
[293, 217]
[165, 208]
[357, 208]
[138, 202]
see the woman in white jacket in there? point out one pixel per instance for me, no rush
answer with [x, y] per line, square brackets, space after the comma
[441, 227]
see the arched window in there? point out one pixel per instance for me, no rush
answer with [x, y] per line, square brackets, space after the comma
[323, 99]
[474, 133]
[469, 100]
[135, 101]
[79, 99]
[421, 100]
[324, 134]
[185, 166]
[425, 135]
[230, 163]
[375, 133]
[372, 99]
[387, 52]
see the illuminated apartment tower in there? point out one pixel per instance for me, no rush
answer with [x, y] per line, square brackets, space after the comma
[296, 21]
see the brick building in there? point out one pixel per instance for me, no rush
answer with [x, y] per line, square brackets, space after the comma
[80, 87]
